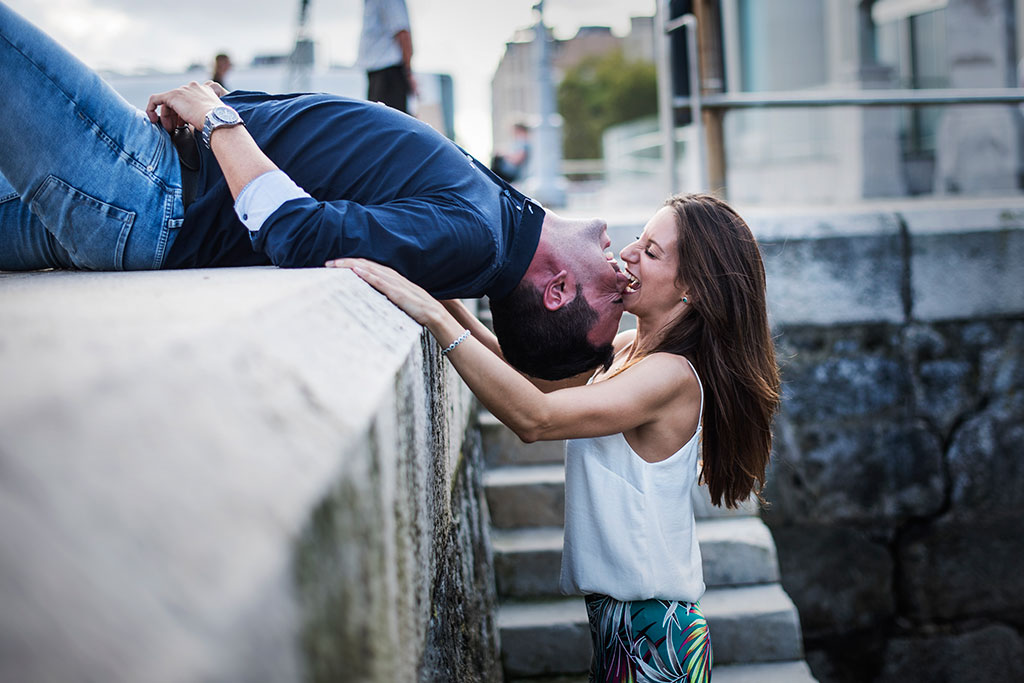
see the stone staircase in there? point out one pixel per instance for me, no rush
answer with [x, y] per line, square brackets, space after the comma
[755, 629]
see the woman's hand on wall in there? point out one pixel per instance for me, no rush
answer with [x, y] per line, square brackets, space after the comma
[411, 298]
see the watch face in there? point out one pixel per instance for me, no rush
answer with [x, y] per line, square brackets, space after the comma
[225, 114]
[217, 117]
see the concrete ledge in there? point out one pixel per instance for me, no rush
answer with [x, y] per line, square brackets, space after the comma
[817, 279]
[966, 263]
[237, 474]
[925, 261]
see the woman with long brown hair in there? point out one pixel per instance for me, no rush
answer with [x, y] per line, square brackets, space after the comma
[690, 392]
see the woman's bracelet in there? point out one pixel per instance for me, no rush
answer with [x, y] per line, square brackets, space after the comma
[462, 337]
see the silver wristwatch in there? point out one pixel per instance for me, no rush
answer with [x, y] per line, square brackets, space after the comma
[219, 117]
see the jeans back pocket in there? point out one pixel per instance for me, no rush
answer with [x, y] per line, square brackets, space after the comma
[92, 231]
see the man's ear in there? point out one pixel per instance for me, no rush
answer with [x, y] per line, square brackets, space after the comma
[555, 293]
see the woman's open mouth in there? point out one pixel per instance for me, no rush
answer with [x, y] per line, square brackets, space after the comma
[634, 282]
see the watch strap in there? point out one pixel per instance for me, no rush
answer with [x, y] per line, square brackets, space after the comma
[215, 120]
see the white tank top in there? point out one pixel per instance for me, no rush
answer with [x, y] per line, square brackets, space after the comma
[629, 527]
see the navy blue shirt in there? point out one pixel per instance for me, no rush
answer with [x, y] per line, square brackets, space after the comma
[383, 186]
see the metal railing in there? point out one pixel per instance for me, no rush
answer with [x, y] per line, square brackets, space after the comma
[697, 101]
[859, 98]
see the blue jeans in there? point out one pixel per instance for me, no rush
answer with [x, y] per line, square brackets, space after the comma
[86, 181]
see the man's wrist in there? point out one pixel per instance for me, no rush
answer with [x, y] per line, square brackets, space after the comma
[221, 116]
[225, 133]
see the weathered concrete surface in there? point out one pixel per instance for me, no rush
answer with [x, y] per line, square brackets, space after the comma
[845, 577]
[846, 447]
[897, 486]
[965, 261]
[957, 656]
[825, 267]
[944, 260]
[238, 474]
[960, 568]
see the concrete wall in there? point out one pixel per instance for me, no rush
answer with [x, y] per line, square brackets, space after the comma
[897, 486]
[250, 474]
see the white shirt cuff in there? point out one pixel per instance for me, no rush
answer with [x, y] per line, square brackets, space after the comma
[263, 196]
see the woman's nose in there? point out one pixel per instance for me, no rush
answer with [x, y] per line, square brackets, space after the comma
[628, 252]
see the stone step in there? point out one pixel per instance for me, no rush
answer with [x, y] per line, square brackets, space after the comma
[544, 638]
[735, 551]
[527, 562]
[503, 448]
[753, 624]
[534, 496]
[526, 496]
[748, 624]
[774, 672]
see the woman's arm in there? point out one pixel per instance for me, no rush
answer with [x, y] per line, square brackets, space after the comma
[639, 396]
[487, 338]
[462, 314]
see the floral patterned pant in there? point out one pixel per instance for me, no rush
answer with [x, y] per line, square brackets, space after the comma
[648, 641]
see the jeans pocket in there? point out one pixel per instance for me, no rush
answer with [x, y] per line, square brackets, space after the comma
[93, 232]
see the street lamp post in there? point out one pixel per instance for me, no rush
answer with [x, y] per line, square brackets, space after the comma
[666, 111]
[300, 62]
[547, 184]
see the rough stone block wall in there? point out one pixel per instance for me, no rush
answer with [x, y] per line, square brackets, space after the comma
[237, 474]
[897, 488]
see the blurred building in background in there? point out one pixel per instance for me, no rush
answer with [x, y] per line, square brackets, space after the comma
[850, 153]
[836, 154]
[514, 95]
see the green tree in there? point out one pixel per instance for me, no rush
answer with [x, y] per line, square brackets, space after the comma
[599, 92]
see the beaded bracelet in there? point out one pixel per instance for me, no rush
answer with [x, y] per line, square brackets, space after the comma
[462, 337]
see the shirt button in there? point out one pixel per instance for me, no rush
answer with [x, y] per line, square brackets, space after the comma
[245, 216]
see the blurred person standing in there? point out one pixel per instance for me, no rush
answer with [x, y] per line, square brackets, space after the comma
[385, 51]
[511, 166]
[221, 66]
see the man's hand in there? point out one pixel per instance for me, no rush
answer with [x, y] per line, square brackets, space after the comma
[187, 104]
[218, 89]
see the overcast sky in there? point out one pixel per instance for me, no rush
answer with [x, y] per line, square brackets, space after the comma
[464, 38]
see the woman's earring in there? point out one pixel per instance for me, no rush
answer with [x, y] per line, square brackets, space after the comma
[685, 300]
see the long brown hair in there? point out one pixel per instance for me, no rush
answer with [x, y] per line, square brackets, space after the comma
[725, 333]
